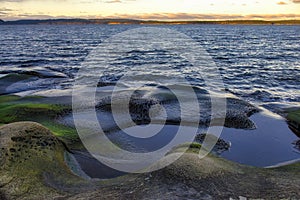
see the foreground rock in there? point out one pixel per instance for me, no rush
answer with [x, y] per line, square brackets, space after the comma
[31, 158]
[33, 167]
[208, 178]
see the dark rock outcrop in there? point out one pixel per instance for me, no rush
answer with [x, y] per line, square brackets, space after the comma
[219, 147]
[237, 111]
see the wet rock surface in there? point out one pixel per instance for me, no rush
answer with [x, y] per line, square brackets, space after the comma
[46, 176]
[297, 145]
[293, 118]
[34, 167]
[139, 107]
[207, 178]
[10, 79]
[161, 105]
[36, 71]
[220, 146]
[28, 82]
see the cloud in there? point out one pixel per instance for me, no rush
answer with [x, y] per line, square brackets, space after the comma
[8, 15]
[28, 0]
[296, 1]
[281, 3]
[113, 1]
[11, 0]
[274, 16]
[5, 11]
[103, 1]
[188, 16]
[34, 16]
[175, 16]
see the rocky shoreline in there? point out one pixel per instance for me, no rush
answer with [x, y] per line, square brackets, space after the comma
[35, 162]
[29, 173]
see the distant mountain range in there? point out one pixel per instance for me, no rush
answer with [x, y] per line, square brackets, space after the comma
[132, 21]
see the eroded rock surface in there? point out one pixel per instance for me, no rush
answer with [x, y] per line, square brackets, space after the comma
[33, 167]
[220, 146]
[164, 106]
[29, 153]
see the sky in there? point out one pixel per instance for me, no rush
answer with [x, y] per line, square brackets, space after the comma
[151, 9]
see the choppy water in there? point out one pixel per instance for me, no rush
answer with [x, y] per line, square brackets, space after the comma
[257, 63]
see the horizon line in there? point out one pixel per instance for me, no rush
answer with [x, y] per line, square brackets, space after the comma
[148, 20]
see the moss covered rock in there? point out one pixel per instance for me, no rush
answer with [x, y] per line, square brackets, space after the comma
[33, 167]
[34, 108]
[31, 160]
[294, 121]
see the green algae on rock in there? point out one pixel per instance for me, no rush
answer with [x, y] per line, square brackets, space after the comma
[29, 155]
[293, 118]
[33, 167]
[193, 147]
[17, 112]
[14, 108]
[33, 108]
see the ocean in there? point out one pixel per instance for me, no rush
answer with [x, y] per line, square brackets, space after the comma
[255, 65]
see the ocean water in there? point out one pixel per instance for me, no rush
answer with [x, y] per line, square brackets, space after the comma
[257, 63]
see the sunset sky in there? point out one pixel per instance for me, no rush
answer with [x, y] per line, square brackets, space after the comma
[151, 9]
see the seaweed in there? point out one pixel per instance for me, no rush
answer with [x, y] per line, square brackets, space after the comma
[15, 109]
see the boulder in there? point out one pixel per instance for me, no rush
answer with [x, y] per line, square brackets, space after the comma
[31, 160]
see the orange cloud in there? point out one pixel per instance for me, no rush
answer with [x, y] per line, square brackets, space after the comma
[281, 3]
